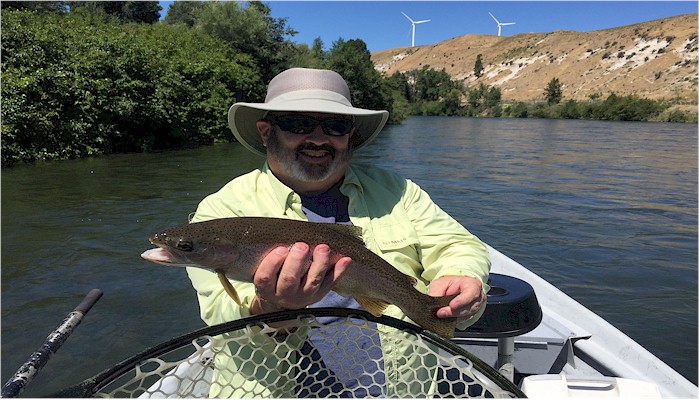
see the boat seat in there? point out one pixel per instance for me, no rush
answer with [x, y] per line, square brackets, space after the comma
[512, 310]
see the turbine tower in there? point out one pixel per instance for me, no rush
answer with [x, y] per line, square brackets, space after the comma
[413, 26]
[500, 24]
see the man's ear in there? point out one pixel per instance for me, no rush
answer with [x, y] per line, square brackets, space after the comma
[354, 138]
[265, 128]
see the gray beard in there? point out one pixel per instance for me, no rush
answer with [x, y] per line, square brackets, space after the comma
[301, 170]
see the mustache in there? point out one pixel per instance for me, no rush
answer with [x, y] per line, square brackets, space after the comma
[313, 147]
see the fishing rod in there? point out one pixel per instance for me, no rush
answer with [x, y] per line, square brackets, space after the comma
[53, 342]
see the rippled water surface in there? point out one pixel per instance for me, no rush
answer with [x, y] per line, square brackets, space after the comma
[605, 211]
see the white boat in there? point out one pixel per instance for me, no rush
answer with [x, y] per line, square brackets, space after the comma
[574, 344]
[567, 351]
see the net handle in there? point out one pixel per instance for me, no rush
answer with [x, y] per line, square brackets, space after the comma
[26, 373]
[91, 385]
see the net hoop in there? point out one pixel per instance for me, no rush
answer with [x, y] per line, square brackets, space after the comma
[482, 372]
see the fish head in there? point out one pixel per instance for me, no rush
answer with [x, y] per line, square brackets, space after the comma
[187, 246]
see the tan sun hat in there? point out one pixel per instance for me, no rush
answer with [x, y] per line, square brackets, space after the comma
[304, 90]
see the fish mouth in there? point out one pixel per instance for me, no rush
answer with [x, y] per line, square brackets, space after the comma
[159, 255]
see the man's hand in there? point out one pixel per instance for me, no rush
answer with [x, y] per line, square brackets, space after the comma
[293, 278]
[469, 300]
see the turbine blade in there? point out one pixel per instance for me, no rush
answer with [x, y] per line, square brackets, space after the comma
[406, 16]
[419, 22]
[496, 20]
[507, 23]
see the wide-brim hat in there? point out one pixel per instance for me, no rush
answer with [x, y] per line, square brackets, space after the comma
[304, 90]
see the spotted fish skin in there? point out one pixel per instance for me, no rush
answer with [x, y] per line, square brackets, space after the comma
[235, 247]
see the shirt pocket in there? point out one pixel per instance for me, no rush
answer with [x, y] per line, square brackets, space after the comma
[399, 245]
[395, 236]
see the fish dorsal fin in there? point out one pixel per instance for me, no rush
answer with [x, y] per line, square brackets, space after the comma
[375, 307]
[351, 231]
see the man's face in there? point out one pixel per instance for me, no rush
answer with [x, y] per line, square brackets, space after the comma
[299, 149]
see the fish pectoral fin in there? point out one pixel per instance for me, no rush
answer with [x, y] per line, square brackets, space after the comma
[375, 307]
[228, 287]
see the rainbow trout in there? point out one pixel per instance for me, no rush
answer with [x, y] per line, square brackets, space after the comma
[234, 247]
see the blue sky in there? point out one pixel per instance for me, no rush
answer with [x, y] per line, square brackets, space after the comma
[382, 26]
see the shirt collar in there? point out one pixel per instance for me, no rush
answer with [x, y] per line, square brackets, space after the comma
[351, 179]
[285, 196]
[281, 192]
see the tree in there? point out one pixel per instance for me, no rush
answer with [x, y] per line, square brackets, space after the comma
[125, 11]
[478, 67]
[451, 102]
[317, 50]
[183, 12]
[305, 57]
[250, 30]
[484, 98]
[433, 85]
[491, 97]
[399, 84]
[426, 92]
[352, 60]
[553, 91]
[474, 98]
[141, 11]
[77, 86]
[53, 6]
[401, 94]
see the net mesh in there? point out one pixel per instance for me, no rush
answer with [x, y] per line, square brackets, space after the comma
[310, 356]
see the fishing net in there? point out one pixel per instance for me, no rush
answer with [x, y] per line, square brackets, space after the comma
[303, 353]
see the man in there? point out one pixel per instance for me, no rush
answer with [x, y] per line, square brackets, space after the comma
[308, 129]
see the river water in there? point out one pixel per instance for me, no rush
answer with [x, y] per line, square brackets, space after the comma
[606, 211]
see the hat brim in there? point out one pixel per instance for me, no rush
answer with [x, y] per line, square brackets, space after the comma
[243, 117]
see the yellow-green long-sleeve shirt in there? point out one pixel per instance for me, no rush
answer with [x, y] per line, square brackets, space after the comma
[399, 221]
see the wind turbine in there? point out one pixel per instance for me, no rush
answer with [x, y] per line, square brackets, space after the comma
[413, 25]
[500, 24]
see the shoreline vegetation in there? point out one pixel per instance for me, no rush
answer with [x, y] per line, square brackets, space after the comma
[81, 79]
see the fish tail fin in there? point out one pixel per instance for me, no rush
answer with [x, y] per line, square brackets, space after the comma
[426, 316]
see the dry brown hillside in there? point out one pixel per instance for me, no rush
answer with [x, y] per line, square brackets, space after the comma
[655, 59]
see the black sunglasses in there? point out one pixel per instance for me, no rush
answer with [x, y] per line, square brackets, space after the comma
[303, 125]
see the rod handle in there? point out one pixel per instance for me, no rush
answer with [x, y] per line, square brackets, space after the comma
[92, 297]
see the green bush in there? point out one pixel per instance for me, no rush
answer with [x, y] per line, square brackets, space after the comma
[678, 116]
[75, 85]
[519, 110]
[570, 110]
[623, 108]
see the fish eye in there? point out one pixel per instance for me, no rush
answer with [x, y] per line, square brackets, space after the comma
[184, 245]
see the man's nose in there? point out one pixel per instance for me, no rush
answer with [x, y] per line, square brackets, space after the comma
[317, 135]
